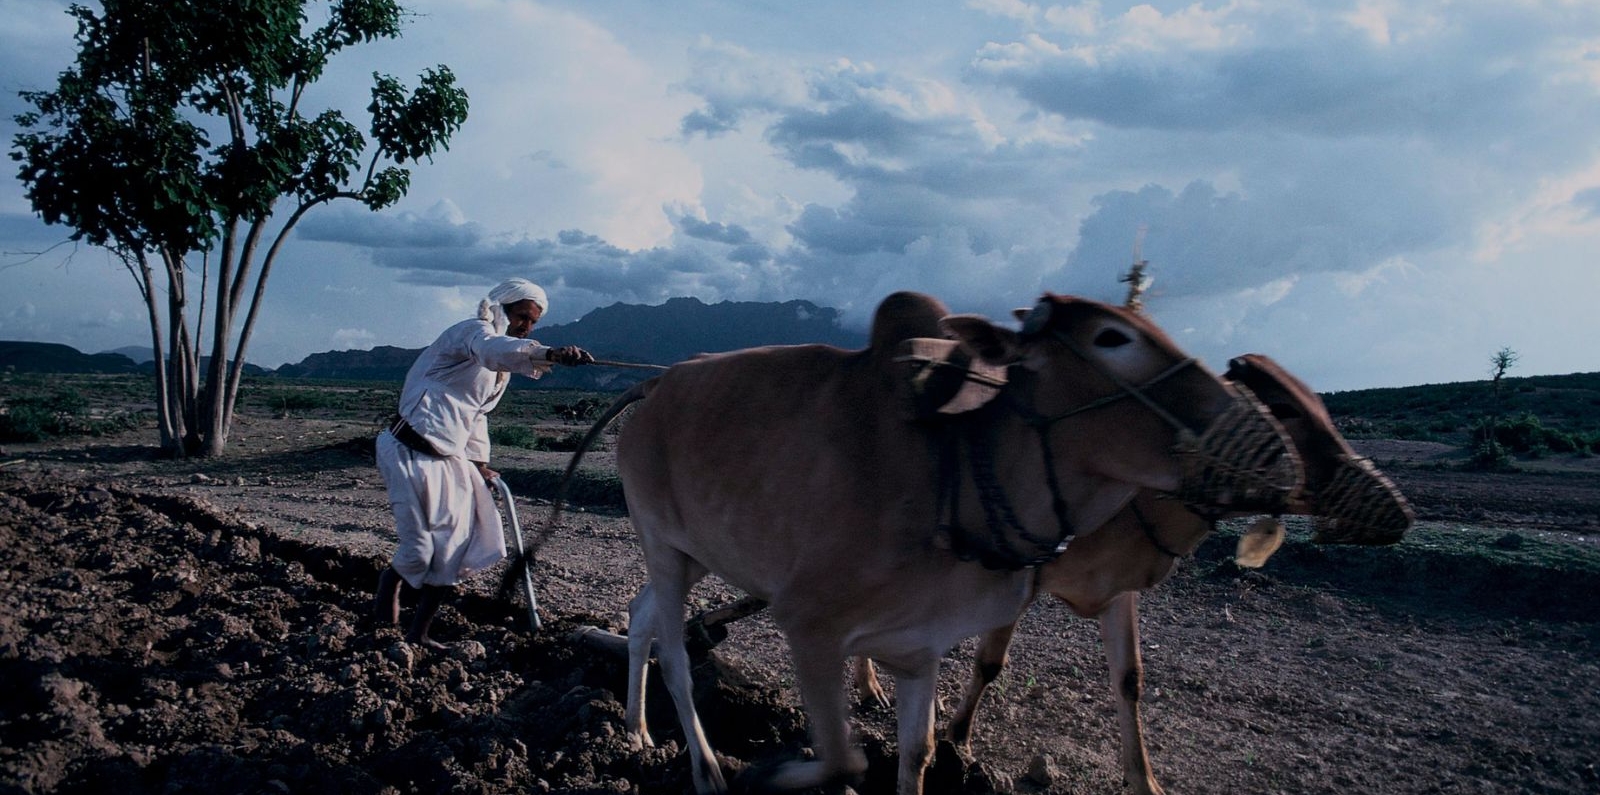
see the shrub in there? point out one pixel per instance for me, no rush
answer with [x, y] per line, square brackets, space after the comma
[514, 436]
[524, 437]
[1525, 434]
[1406, 429]
[1490, 456]
[35, 418]
[287, 400]
[565, 443]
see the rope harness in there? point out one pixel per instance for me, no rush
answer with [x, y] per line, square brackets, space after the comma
[1007, 544]
[1240, 460]
[1154, 539]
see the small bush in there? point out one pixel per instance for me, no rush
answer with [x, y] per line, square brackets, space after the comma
[524, 437]
[35, 418]
[287, 400]
[1525, 434]
[1490, 456]
[1443, 426]
[1405, 429]
[564, 443]
[514, 436]
[1489, 453]
[1356, 427]
[583, 409]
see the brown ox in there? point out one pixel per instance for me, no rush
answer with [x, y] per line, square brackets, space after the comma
[786, 472]
[1102, 572]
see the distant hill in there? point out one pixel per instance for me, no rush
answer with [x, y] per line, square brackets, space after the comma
[1448, 412]
[50, 357]
[138, 353]
[664, 334]
[383, 363]
[684, 327]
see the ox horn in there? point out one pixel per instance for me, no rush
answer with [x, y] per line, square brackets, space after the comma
[1037, 318]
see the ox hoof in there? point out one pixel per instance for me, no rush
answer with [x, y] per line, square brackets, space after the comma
[797, 775]
[708, 780]
[879, 700]
[638, 741]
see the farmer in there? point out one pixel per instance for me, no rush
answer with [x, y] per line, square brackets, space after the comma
[434, 455]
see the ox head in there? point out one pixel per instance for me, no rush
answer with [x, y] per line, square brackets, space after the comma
[1074, 359]
[1353, 502]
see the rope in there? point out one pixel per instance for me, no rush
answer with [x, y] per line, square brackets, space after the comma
[633, 365]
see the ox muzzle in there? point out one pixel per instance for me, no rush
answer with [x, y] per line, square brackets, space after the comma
[1242, 462]
[1360, 505]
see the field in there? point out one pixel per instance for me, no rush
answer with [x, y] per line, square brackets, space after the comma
[197, 626]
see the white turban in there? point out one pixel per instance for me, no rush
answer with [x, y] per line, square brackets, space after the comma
[510, 291]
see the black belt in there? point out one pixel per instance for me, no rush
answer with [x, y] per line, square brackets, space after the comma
[409, 437]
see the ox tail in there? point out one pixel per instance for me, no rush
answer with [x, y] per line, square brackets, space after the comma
[634, 394]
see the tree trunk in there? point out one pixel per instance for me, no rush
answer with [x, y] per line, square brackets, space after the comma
[222, 377]
[138, 263]
[179, 361]
[236, 372]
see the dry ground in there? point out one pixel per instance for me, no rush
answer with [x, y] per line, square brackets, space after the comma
[170, 626]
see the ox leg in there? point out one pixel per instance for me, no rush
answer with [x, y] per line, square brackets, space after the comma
[671, 576]
[641, 632]
[991, 658]
[915, 692]
[816, 664]
[1119, 631]
[867, 687]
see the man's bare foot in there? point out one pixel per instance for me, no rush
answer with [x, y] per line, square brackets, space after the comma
[432, 597]
[386, 605]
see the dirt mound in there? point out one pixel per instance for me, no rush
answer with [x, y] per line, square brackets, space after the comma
[156, 643]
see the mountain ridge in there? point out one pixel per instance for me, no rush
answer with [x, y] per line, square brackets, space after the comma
[663, 333]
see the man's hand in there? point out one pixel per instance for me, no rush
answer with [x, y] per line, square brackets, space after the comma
[570, 355]
[488, 474]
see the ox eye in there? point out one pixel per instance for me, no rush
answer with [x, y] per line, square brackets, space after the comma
[1111, 338]
[1284, 411]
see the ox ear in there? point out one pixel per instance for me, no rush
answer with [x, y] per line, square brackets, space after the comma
[1021, 312]
[985, 341]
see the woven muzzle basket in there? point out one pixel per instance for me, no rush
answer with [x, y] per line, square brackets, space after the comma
[1242, 462]
[1360, 505]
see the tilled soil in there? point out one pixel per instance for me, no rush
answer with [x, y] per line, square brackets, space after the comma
[168, 629]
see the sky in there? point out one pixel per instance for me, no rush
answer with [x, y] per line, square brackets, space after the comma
[1374, 193]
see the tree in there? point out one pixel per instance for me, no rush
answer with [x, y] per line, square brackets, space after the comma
[122, 151]
[1490, 453]
[1499, 363]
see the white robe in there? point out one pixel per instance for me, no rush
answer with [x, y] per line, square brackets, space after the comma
[445, 515]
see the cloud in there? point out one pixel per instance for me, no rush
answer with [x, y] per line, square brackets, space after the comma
[1588, 200]
[1200, 241]
[732, 83]
[346, 339]
[1303, 172]
[568, 127]
[23, 312]
[715, 231]
[1480, 73]
[441, 227]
